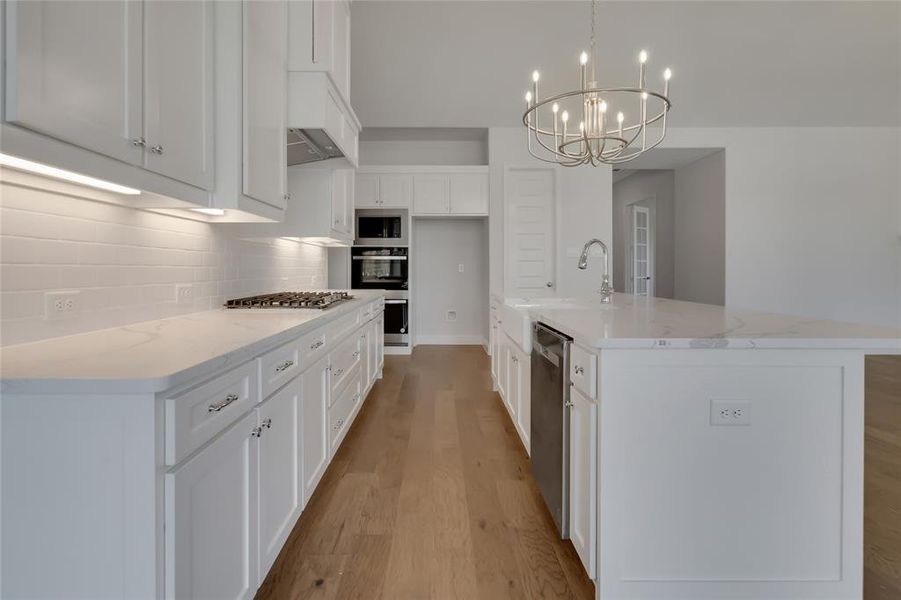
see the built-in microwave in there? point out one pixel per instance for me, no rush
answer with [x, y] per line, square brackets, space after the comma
[381, 227]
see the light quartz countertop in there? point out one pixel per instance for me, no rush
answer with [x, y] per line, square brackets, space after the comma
[640, 322]
[153, 356]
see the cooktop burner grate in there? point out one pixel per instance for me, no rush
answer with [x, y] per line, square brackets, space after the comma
[290, 300]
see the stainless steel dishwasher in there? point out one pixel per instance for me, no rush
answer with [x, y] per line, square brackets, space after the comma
[550, 421]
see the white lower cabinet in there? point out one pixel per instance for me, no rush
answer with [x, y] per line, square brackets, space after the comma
[314, 429]
[523, 369]
[583, 444]
[280, 489]
[210, 514]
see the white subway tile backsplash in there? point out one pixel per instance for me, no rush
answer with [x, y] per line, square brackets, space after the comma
[126, 263]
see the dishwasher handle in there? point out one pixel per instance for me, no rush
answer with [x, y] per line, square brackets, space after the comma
[549, 356]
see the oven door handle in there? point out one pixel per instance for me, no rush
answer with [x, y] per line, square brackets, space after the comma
[380, 258]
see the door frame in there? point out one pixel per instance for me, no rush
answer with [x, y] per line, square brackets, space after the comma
[509, 169]
[650, 204]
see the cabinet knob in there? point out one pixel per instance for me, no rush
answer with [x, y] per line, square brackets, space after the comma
[550, 284]
[138, 142]
[157, 149]
[267, 423]
[256, 431]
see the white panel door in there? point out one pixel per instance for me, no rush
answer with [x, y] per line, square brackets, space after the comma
[530, 230]
[265, 101]
[582, 469]
[280, 471]
[74, 72]
[366, 191]
[314, 423]
[469, 194]
[430, 195]
[395, 191]
[178, 90]
[211, 525]
[642, 258]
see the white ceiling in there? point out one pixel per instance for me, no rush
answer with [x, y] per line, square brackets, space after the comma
[455, 63]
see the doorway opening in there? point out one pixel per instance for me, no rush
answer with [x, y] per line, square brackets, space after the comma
[669, 225]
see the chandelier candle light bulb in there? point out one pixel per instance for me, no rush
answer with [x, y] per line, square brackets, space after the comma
[599, 141]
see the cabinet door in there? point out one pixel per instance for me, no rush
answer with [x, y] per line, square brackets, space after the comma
[178, 90]
[342, 201]
[523, 397]
[469, 194]
[341, 47]
[265, 101]
[380, 343]
[211, 507]
[395, 191]
[365, 358]
[430, 195]
[582, 470]
[314, 422]
[512, 386]
[493, 346]
[366, 191]
[280, 495]
[74, 72]
[503, 359]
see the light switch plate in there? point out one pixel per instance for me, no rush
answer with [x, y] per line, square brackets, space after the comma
[730, 412]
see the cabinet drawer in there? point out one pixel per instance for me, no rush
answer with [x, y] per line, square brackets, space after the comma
[313, 346]
[279, 366]
[342, 326]
[339, 415]
[196, 416]
[583, 371]
[342, 362]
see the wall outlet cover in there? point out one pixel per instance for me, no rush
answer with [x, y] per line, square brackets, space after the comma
[730, 412]
[451, 315]
[184, 294]
[460, 268]
[62, 305]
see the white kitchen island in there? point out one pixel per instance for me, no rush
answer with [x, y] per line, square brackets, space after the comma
[172, 458]
[722, 455]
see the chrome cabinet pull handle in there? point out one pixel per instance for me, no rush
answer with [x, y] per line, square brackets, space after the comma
[267, 423]
[317, 345]
[356, 354]
[256, 431]
[338, 372]
[285, 365]
[156, 149]
[220, 405]
[578, 370]
[138, 142]
[356, 398]
[568, 403]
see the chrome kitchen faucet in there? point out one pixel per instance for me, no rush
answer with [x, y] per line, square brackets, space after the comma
[606, 290]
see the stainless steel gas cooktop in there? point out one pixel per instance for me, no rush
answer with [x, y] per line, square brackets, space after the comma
[290, 300]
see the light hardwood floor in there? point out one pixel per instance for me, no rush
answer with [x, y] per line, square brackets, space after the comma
[882, 479]
[430, 496]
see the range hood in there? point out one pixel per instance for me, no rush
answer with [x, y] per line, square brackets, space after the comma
[310, 145]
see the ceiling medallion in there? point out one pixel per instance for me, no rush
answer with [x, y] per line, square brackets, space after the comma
[596, 138]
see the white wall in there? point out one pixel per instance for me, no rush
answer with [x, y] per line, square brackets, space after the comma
[439, 246]
[424, 152]
[653, 189]
[700, 231]
[126, 263]
[811, 227]
[584, 209]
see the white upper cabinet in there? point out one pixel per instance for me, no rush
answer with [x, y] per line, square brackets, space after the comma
[74, 73]
[430, 194]
[178, 76]
[265, 98]
[468, 193]
[366, 191]
[320, 40]
[383, 191]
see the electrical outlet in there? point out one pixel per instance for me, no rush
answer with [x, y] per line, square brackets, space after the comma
[730, 412]
[451, 315]
[460, 268]
[184, 294]
[62, 305]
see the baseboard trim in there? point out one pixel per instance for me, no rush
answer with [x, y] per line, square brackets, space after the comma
[451, 340]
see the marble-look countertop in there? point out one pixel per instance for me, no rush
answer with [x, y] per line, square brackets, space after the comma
[640, 322]
[153, 356]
